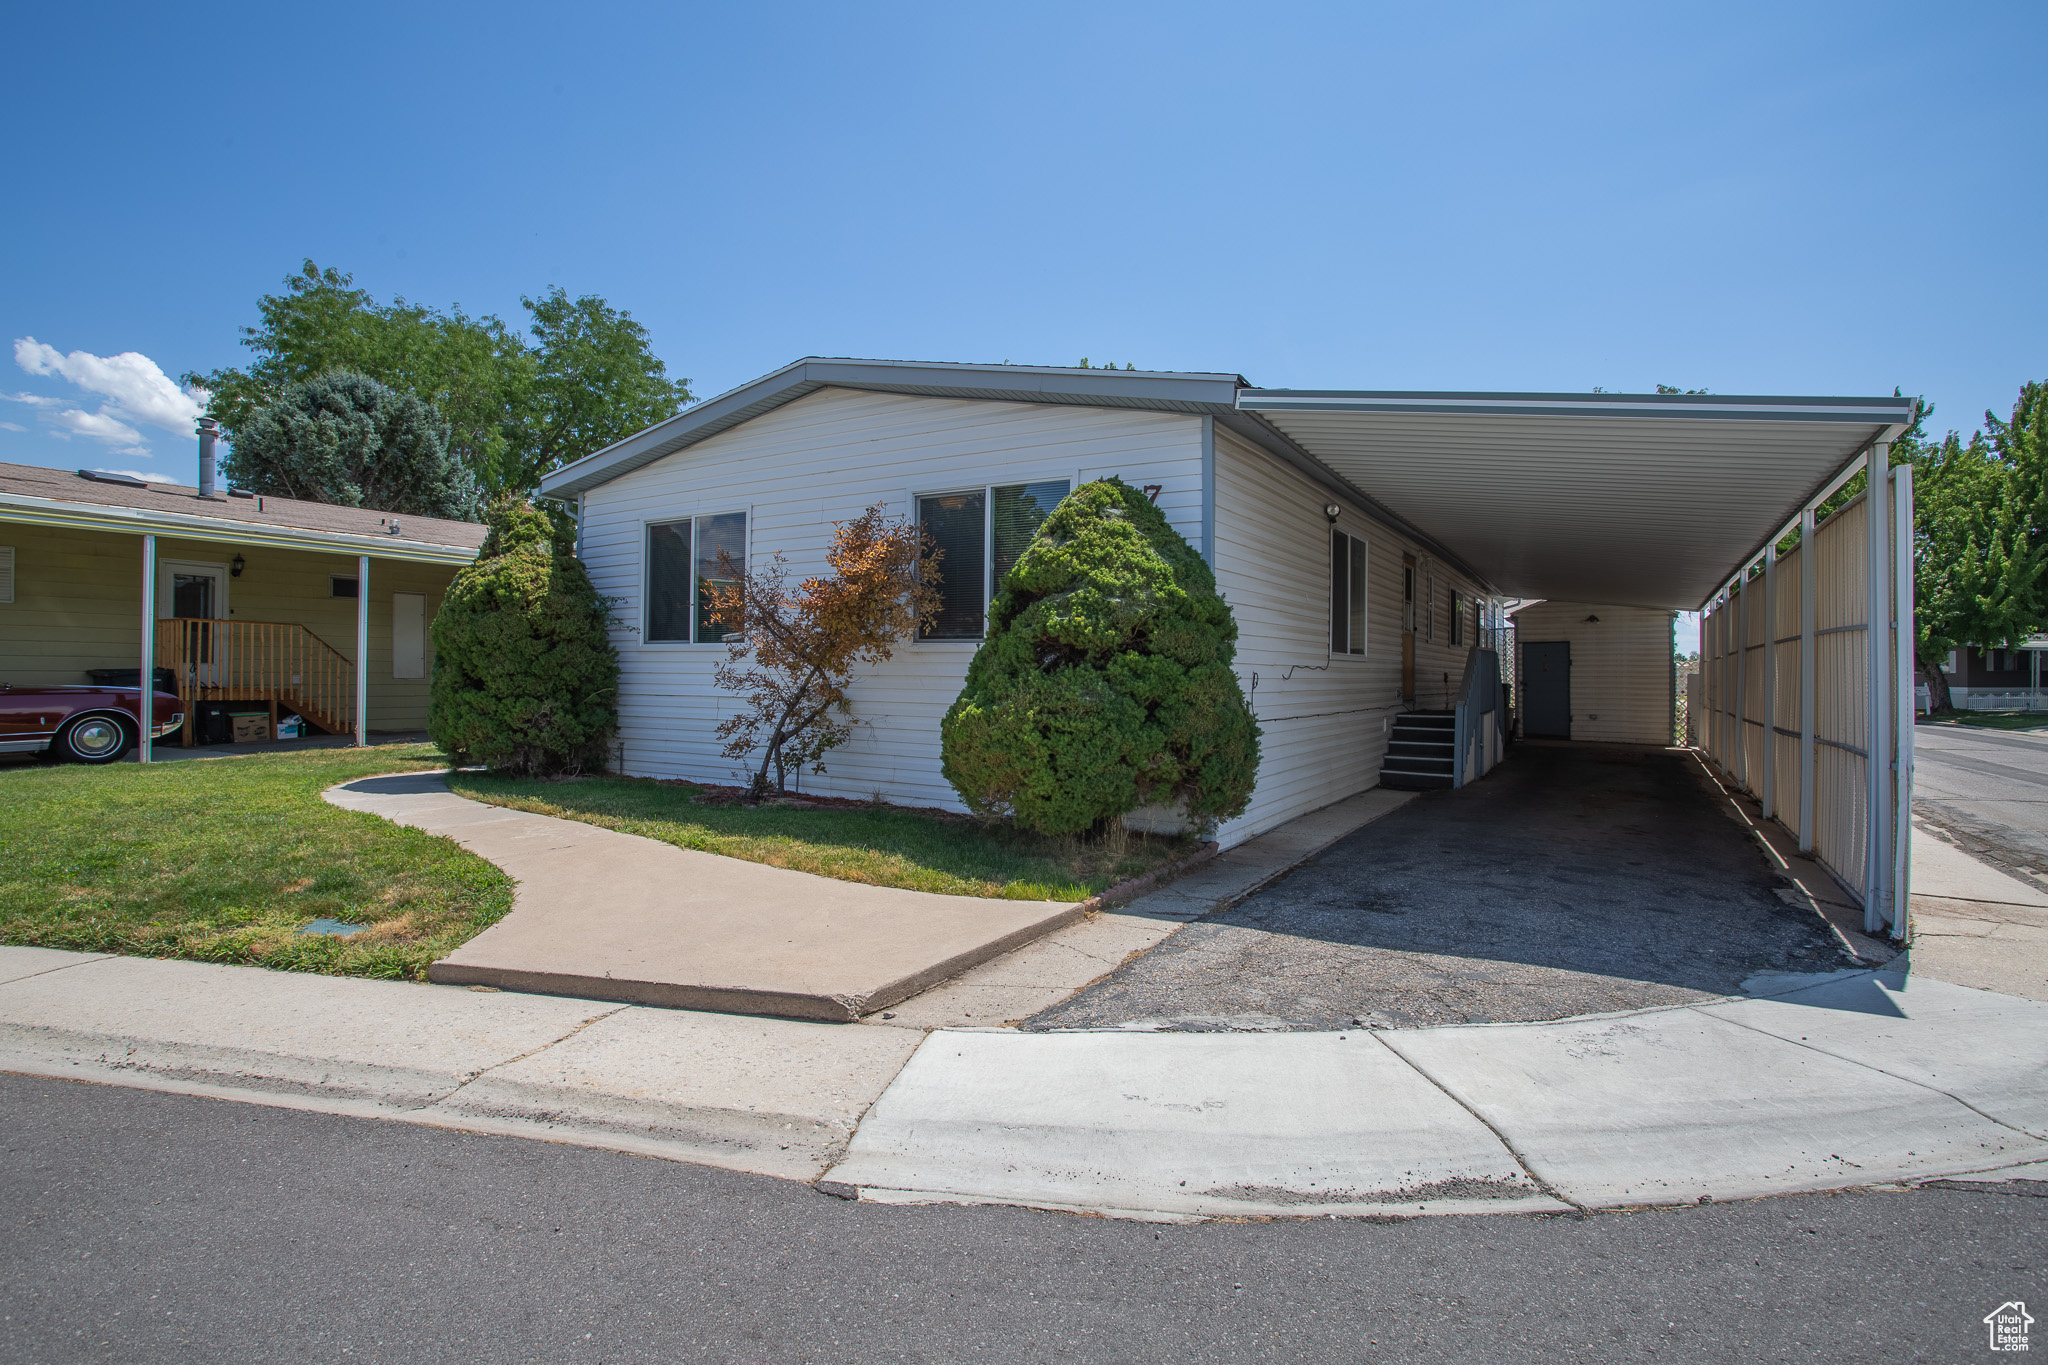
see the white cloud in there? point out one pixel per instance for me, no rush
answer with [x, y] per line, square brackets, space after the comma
[98, 426]
[12, 426]
[144, 475]
[134, 389]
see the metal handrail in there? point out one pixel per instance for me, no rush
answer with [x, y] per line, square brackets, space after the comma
[1478, 697]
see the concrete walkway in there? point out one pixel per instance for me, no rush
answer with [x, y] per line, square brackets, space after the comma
[608, 916]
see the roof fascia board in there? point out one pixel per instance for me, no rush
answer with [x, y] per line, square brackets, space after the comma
[136, 521]
[1663, 406]
[1193, 393]
[1282, 448]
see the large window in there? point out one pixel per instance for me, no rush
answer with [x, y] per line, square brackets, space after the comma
[683, 564]
[980, 534]
[1347, 594]
[1457, 618]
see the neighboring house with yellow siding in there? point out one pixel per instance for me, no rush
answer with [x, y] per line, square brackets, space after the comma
[255, 602]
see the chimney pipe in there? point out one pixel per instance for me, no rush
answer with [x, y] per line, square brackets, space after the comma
[208, 431]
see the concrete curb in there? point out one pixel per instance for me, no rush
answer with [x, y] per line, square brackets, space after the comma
[1849, 1080]
[1853, 1079]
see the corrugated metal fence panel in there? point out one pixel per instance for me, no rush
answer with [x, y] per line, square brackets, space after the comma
[1785, 705]
[1755, 706]
[1841, 718]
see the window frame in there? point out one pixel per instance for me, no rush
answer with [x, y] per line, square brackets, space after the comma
[1363, 614]
[1457, 608]
[646, 612]
[987, 488]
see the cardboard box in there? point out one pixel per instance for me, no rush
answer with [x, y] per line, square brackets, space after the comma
[252, 727]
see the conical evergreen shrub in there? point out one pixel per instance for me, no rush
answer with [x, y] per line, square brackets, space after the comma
[1105, 681]
[525, 676]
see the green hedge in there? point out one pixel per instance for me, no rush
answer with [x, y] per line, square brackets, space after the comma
[525, 676]
[1105, 681]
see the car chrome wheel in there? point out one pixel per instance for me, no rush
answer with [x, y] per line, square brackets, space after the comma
[95, 739]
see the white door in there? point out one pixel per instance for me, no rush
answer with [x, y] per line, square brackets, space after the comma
[191, 590]
[408, 635]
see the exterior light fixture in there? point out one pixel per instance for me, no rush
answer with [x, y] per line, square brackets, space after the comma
[235, 567]
[1333, 511]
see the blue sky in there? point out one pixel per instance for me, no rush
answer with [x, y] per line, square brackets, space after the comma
[1779, 198]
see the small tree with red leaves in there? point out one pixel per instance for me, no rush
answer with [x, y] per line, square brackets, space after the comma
[792, 650]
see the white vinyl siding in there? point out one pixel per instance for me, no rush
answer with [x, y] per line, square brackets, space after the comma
[826, 458]
[1621, 667]
[1323, 718]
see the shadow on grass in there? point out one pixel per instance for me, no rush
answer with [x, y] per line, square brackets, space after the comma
[879, 845]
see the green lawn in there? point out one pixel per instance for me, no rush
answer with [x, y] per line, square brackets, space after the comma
[878, 845]
[1997, 720]
[224, 860]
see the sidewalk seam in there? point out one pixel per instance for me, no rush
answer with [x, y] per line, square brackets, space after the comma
[1498, 1136]
[65, 967]
[530, 1052]
[1909, 1080]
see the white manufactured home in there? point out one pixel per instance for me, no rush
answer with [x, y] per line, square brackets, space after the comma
[1370, 545]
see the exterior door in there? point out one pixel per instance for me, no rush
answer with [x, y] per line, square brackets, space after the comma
[1547, 689]
[1407, 627]
[187, 591]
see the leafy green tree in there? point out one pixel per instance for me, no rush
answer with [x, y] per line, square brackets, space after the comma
[1980, 536]
[1105, 682]
[474, 371]
[514, 410]
[346, 439]
[595, 381]
[525, 676]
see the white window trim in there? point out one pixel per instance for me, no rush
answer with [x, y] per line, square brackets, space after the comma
[647, 568]
[1330, 607]
[988, 537]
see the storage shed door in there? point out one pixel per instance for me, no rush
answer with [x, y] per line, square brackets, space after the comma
[1547, 689]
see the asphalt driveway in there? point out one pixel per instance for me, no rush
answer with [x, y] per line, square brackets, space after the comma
[1574, 879]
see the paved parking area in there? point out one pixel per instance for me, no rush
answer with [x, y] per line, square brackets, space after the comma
[1574, 879]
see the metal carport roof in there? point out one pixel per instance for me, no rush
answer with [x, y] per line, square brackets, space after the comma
[1632, 499]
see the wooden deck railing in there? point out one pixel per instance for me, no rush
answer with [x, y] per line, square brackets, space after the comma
[279, 662]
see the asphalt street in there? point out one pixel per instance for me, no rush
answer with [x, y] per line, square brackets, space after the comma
[1988, 789]
[137, 1226]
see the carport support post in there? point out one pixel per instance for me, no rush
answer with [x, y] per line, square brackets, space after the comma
[1878, 808]
[1906, 636]
[1809, 554]
[145, 697]
[362, 650]
[1740, 754]
[1769, 795]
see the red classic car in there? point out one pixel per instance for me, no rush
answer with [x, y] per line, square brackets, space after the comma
[81, 724]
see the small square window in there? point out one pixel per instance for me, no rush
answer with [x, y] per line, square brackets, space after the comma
[342, 585]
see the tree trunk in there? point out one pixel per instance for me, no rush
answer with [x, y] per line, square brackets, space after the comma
[1939, 702]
